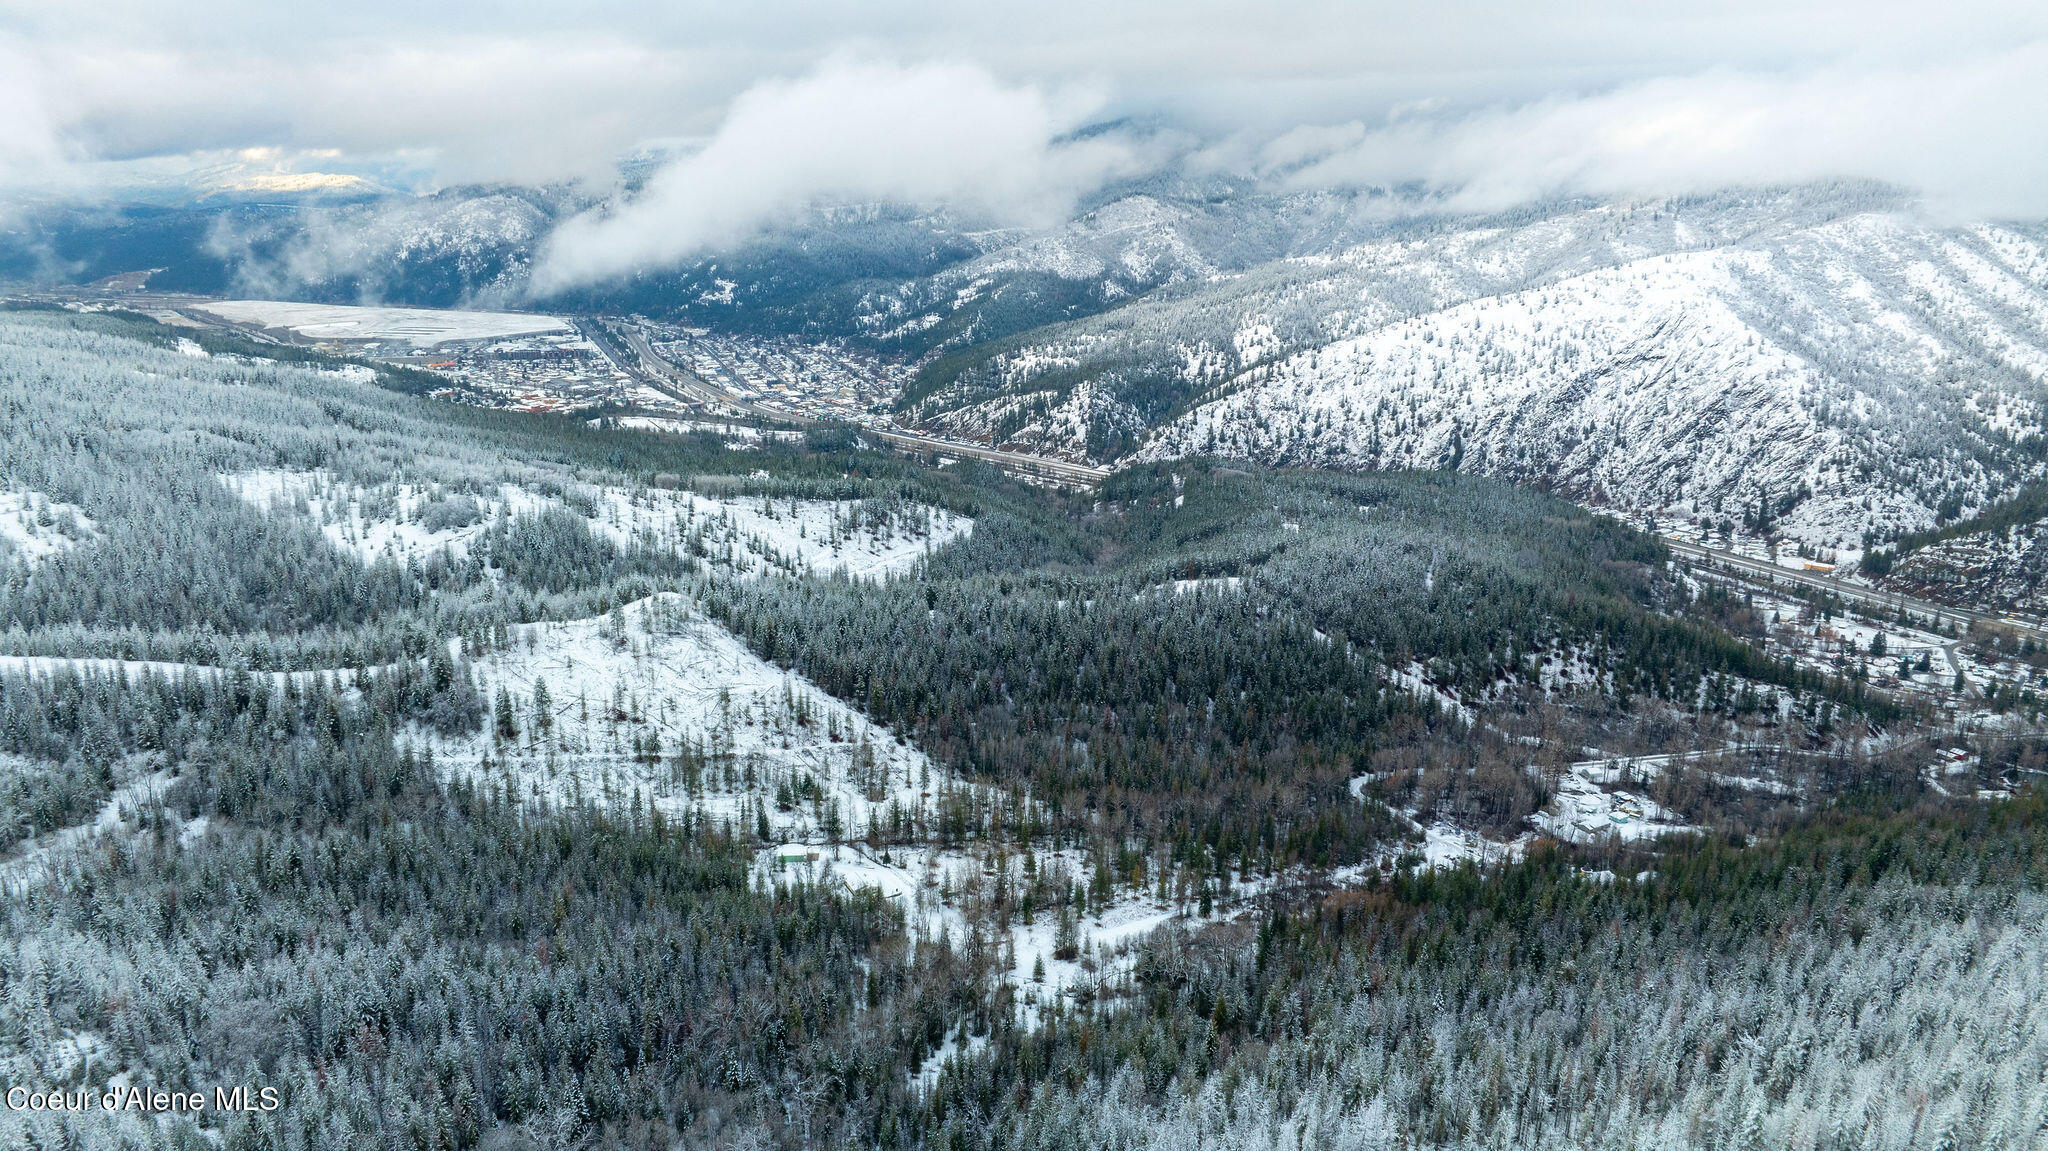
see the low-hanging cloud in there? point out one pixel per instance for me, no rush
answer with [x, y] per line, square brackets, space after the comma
[1485, 102]
[1966, 134]
[31, 150]
[851, 131]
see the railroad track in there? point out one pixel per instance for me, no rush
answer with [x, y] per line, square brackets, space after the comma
[1860, 594]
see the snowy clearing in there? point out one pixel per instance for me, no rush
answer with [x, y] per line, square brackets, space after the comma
[670, 426]
[661, 706]
[36, 857]
[34, 527]
[1585, 810]
[46, 665]
[749, 535]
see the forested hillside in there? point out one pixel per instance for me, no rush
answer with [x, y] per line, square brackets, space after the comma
[1836, 384]
[1210, 657]
[480, 779]
[1865, 982]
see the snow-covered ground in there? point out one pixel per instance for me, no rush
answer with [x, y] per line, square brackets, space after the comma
[757, 534]
[34, 527]
[391, 522]
[629, 694]
[1213, 584]
[43, 665]
[1445, 844]
[32, 861]
[850, 865]
[1414, 679]
[1589, 804]
[420, 327]
[744, 534]
[930, 884]
[1442, 844]
[1570, 670]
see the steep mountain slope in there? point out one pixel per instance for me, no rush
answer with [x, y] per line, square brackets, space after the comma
[1094, 385]
[1870, 374]
[1819, 355]
[1152, 236]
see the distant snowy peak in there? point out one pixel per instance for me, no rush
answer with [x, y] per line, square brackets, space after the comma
[1135, 240]
[1568, 381]
[1856, 375]
[1120, 250]
[1279, 276]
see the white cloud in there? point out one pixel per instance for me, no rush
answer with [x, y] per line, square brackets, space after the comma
[485, 108]
[1501, 99]
[31, 148]
[1969, 135]
[848, 132]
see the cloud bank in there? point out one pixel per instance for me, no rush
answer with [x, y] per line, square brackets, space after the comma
[1971, 136]
[850, 131]
[1485, 103]
[32, 152]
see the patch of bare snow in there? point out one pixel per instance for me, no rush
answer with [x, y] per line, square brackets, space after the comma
[627, 699]
[751, 535]
[34, 527]
[420, 327]
[36, 858]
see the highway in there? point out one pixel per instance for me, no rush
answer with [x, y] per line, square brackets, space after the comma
[689, 388]
[685, 386]
[603, 341]
[1859, 594]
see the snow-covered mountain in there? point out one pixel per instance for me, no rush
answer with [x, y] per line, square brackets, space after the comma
[1820, 356]
[1137, 241]
[2005, 569]
[1090, 386]
[461, 248]
[1871, 373]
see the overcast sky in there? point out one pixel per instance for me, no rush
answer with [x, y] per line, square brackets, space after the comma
[787, 103]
